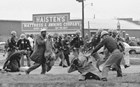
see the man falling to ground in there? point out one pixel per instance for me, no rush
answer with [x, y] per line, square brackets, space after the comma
[84, 66]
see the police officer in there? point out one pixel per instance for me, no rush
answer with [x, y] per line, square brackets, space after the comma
[76, 43]
[31, 40]
[115, 55]
[66, 50]
[59, 50]
[11, 43]
[120, 40]
[24, 44]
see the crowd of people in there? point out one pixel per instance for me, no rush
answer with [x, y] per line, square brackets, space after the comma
[33, 46]
[45, 49]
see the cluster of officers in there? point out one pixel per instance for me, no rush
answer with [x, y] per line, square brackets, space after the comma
[34, 49]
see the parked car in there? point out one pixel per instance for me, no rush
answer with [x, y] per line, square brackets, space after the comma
[132, 49]
[2, 44]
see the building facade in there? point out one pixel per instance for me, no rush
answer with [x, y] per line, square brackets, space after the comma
[54, 23]
[62, 24]
[6, 26]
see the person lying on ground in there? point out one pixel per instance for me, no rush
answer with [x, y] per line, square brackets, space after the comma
[84, 66]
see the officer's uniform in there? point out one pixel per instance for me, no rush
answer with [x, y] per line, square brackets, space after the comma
[24, 44]
[66, 51]
[76, 43]
[114, 58]
[12, 45]
[59, 51]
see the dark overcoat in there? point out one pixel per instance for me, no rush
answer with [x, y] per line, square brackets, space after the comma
[39, 49]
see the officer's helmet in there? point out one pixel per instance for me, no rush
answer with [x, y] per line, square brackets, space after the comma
[115, 32]
[22, 36]
[13, 33]
[104, 33]
[78, 32]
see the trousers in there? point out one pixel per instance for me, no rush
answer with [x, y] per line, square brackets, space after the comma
[28, 59]
[36, 65]
[114, 59]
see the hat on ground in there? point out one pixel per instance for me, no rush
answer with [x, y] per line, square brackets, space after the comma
[104, 33]
[43, 30]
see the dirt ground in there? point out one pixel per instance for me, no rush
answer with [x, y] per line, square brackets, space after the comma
[66, 80]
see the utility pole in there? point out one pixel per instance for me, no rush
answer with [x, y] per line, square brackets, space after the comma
[82, 1]
[83, 19]
[88, 25]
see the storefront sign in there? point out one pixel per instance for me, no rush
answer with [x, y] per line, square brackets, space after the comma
[52, 22]
[51, 18]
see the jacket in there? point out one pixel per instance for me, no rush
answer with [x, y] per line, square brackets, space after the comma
[76, 42]
[39, 49]
[49, 48]
[109, 42]
[23, 44]
[11, 44]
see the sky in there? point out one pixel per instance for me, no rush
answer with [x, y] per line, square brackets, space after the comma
[103, 9]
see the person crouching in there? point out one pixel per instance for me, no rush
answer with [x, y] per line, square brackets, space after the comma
[84, 65]
[12, 63]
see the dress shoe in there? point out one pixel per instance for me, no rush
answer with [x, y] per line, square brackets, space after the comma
[27, 72]
[126, 66]
[119, 75]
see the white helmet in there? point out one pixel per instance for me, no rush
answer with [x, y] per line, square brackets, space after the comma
[13, 32]
[103, 33]
[78, 32]
[22, 36]
[43, 30]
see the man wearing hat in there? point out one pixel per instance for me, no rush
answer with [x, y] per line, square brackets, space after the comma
[114, 58]
[38, 53]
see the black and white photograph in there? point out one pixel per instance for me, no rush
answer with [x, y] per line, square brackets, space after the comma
[70, 43]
